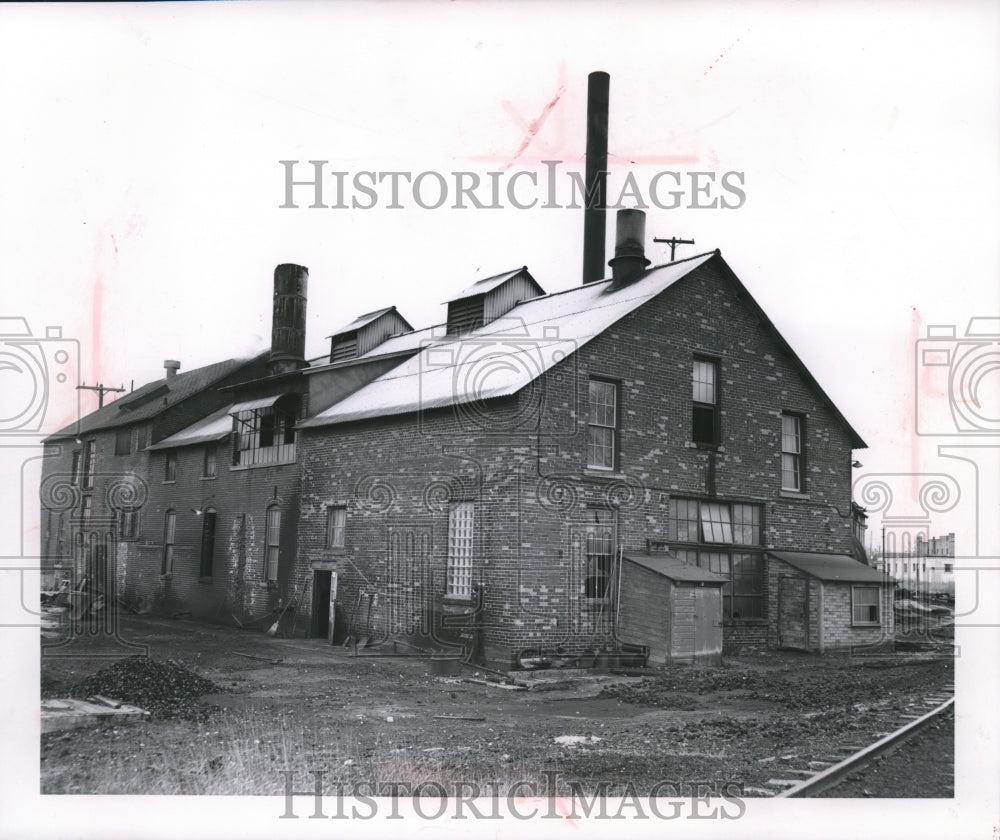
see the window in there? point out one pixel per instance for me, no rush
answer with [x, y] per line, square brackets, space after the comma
[75, 469]
[266, 435]
[128, 524]
[89, 457]
[170, 468]
[208, 469]
[461, 530]
[600, 550]
[169, 533]
[86, 507]
[948, 567]
[123, 441]
[864, 600]
[705, 406]
[336, 519]
[724, 538]
[602, 423]
[140, 437]
[791, 453]
[207, 544]
[272, 544]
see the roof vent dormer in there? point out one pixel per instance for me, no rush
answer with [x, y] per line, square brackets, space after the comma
[365, 333]
[486, 300]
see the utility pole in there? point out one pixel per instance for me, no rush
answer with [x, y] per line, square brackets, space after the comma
[101, 391]
[673, 242]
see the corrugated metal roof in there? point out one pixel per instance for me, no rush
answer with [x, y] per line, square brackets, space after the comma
[132, 408]
[360, 321]
[481, 287]
[670, 567]
[207, 430]
[832, 567]
[504, 356]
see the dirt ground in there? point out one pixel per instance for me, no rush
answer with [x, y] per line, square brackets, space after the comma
[289, 707]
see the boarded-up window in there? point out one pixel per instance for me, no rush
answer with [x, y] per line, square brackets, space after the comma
[272, 543]
[123, 441]
[207, 544]
[461, 533]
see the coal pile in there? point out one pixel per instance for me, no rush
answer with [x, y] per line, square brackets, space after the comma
[165, 689]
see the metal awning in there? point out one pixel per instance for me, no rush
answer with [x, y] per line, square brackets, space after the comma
[262, 402]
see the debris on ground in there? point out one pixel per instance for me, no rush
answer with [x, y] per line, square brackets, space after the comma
[166, 689]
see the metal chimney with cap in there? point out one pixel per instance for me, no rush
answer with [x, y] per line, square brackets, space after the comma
[288, 324]
[595, 213]
[630, 247]
[171, 366]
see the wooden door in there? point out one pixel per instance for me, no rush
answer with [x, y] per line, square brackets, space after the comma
[793, 612]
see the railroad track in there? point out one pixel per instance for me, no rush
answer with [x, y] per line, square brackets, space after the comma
[810, 776]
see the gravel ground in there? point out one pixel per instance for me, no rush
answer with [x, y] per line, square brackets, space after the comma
[921, 767]
[302, 705]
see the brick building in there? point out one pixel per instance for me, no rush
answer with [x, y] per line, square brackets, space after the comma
[488, 482]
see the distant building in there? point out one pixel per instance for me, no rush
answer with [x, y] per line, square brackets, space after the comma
[928, 567]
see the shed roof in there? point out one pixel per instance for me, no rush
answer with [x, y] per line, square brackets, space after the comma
[209, 429]
[505, 355]
[832, 567]
[152, 398]
[673, 568]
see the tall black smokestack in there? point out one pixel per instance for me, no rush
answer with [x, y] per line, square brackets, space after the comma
[288, 324]
[594, 221]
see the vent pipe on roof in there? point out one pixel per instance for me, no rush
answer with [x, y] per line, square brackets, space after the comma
[595, 213]
[288, 324]
[630, 248]
[171, 366]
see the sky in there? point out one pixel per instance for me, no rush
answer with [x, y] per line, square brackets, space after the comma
[142, 190]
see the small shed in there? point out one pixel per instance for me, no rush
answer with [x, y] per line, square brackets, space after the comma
[672, 608]
[828, 602]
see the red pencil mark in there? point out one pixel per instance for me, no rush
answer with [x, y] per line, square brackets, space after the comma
[532, 127]
[721, 54]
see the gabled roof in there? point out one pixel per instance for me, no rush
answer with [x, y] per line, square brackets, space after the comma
[837, 568]
[367, 318]
[528, 340]
[670, 567]
[481, 287]
[209, 429]
[152, 399]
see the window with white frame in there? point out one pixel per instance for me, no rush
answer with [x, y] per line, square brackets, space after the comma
[75, 469]
[336, 520]
[724, 538]
[461, 534]
[169, 535]
[272, 544]
[791, 453]
[266, 435]
[865, 605]
[602, 424]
